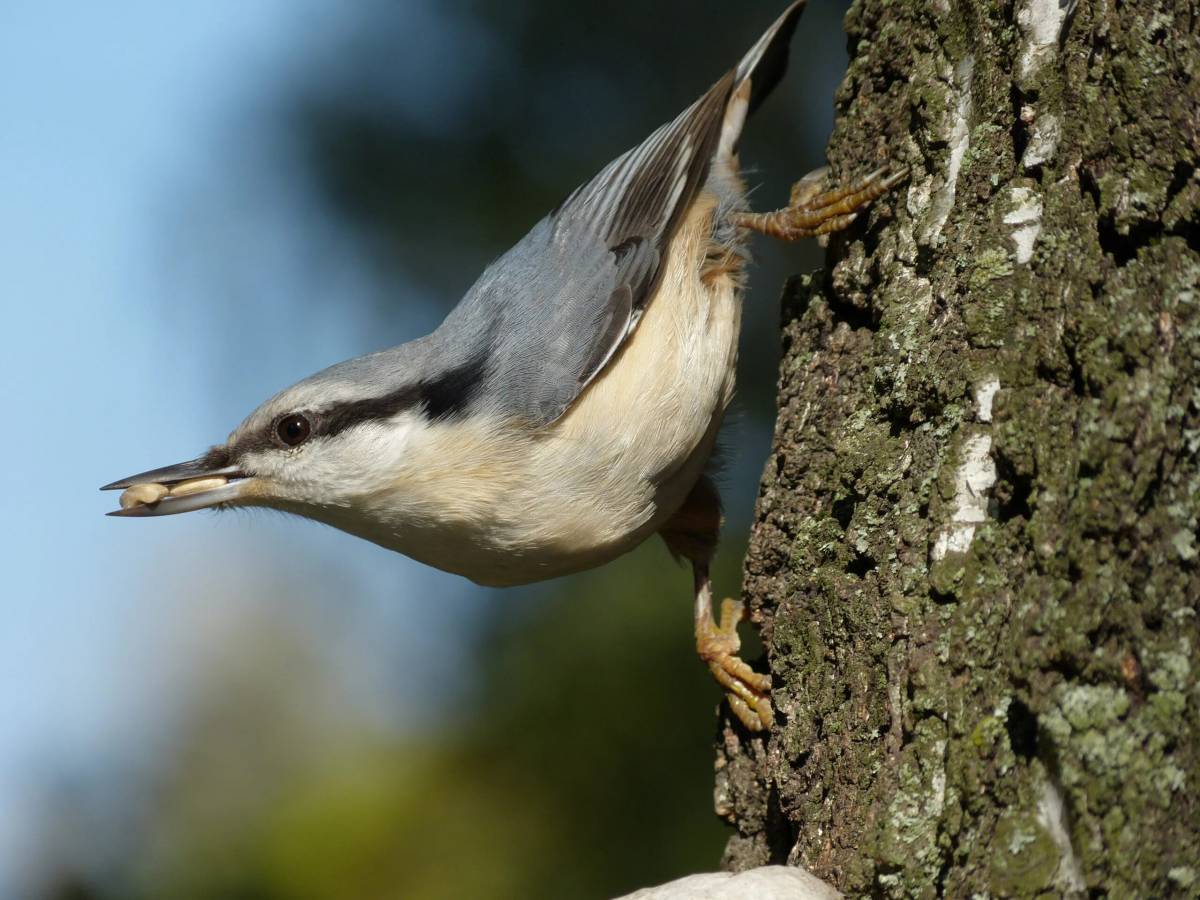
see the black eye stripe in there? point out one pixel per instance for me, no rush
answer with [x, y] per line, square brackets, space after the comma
[338, 418]
[443, 396]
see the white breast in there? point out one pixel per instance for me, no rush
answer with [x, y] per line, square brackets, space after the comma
[521, 506]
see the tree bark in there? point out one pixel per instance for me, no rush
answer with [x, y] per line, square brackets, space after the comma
[974, 562]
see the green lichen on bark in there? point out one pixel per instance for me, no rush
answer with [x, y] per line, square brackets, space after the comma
[975, 561]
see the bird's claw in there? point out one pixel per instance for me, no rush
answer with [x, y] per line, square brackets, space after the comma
[748, 691]
[813, 212]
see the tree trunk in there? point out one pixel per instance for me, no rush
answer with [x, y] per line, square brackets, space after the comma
[974, 563]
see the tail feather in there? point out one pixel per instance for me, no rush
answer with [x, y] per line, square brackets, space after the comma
[767, 60]
[757, 74]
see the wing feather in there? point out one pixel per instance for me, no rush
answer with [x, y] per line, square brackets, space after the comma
[552, 312]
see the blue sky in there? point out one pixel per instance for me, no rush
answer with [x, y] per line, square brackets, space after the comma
[140, 200]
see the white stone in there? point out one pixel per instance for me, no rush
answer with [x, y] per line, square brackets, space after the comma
[766, 883]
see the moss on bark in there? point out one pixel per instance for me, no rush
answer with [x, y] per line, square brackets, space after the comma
[975, 560]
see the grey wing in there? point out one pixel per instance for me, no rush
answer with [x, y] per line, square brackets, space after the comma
[555, 308]
[545, 318]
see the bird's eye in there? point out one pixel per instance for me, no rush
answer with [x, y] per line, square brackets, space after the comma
[293, 430]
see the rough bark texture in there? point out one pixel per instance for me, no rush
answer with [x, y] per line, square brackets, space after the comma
[975, 556]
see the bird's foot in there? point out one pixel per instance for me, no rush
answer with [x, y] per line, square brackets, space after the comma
[748, 691]
[813, 212]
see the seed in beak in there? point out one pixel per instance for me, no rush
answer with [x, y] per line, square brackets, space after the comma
[196, 486]
[143, 495]
[149, 493]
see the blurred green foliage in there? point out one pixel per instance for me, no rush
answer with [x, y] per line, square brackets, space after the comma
[580, 763]
[580, 767]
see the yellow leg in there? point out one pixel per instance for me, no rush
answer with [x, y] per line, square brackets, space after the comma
[747, 691]
[812, 212]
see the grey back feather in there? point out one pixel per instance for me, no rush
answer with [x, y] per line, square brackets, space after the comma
[546, 317]
[562, 301]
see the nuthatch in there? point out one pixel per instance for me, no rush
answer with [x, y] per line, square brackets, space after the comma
[567, 408]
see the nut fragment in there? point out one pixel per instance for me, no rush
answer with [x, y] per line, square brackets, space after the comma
[142, 495]
[197, 485]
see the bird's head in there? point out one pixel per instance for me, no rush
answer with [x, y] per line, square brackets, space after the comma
[319, 448]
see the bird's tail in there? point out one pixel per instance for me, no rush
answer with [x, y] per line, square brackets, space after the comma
[757, 74]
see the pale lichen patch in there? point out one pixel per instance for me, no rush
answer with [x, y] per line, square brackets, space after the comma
[985, 396]
[958, 136]
[1184, 876]
[915, 811]
[974, 478]
[1040, 22]
[1044, 135]
[1052, 816]
[1025, 215]
[919, 194]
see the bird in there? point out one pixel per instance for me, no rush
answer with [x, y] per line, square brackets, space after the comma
[567, 409]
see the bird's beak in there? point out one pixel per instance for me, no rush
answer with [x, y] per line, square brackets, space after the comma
[198, 484]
